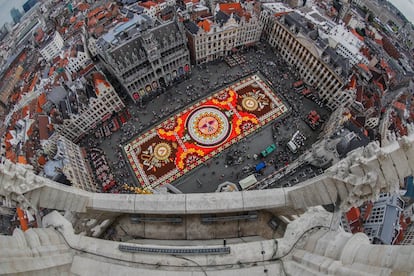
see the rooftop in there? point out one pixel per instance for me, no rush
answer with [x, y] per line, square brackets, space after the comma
[133, 27]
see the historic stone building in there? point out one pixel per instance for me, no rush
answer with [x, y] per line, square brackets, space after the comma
[231, 27]
[52, 46]
[317, 63]
[69, 160]
[145, 55]
[93, 105]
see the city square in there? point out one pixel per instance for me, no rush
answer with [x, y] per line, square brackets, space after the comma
[206, 138]
[203, 130]
[203, 82]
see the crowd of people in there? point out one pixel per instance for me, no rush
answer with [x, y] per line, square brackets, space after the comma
[203, 80]
[101, 169]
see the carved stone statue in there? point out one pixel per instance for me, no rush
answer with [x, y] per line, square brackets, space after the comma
[141, 53]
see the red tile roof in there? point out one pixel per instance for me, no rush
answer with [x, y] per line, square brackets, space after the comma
[86, 69]
[25, 111]
[95, 11]
[98, 78]
[41, 100]
[360, 94]
[51, 71]
[352, 84]
[11, 155]
[43, 121]
[100, 15]
[399, 105]
[79, 24]
[355, 33]
[147, 4]
[41, 160]
[230, 8]
[205, 25]
[92, 21]
[366, 52]
[278, 14]
[191, 1]
[83, 6]
[72, 19]
[21, 159]
[364, 67]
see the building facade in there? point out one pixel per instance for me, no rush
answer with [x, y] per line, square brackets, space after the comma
[346, 43]
[52, 47]
[232, 27]
[91, 43]
[316, 63]
[77, 56]
[96, 110]
[145, 55]
[269, 11]
[75, 166]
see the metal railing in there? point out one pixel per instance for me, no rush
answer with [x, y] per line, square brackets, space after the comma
[174, 251]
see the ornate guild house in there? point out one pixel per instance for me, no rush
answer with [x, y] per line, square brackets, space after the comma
[145, 55]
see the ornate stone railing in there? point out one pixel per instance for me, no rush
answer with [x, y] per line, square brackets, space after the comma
[361, 176]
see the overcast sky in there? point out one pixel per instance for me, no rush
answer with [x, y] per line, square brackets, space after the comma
[406, 7]
[6, 6]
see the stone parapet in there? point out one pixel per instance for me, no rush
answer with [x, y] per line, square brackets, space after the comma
[361, 176]
[340, 253]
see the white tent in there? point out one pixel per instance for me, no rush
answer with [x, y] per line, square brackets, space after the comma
[247, 182]
[292, 146]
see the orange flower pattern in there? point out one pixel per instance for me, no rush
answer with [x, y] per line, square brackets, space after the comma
[198, 133]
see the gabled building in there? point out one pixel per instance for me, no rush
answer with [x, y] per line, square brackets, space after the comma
[298, 42]
[145, 55]
[77, 56]
[51, 46]
[151, 9]
[233, 26]
[69, 165]
[83, 107]
[347, 43]
[154, 8]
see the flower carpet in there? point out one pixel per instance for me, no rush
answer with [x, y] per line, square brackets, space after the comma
[201, 131]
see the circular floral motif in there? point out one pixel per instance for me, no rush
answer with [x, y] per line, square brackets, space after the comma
[222, 96]
[152, 178]
[250, 103]
[255, 100]
[189, 157]
[246, 126]
[162, 151]
[208, 126]
[170, 125]
[191, 160]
